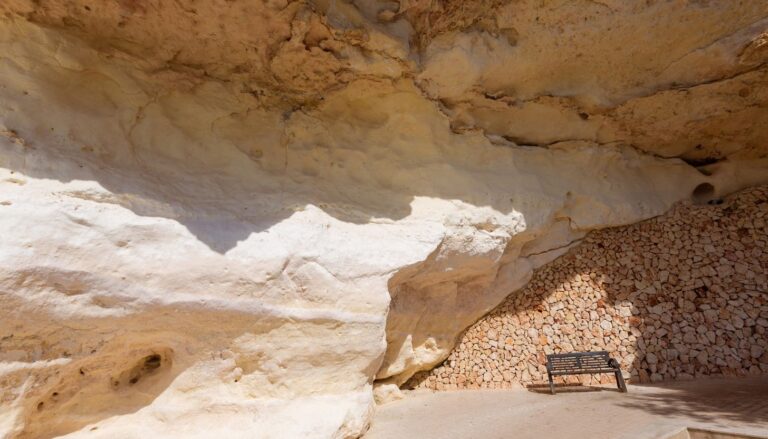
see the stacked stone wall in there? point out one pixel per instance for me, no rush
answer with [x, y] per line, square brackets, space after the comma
[679, 296]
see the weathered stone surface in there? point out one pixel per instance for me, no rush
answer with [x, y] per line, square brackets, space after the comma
[248, 211]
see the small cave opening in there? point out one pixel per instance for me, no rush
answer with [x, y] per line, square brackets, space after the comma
[144, 367]
[152, 362]
[703, 193]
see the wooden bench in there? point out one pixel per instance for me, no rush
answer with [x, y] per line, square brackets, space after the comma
[577, 363]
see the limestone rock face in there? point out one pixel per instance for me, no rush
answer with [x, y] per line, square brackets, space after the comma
[220, 218]
[542, 74]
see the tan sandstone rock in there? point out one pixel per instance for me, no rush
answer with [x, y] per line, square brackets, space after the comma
[224, 217]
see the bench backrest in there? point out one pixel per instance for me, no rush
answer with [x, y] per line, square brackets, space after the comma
[578, 361]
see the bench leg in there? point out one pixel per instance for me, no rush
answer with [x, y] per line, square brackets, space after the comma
[551, 385]
[620, 382]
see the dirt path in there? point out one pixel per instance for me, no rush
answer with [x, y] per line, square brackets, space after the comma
[646, 412]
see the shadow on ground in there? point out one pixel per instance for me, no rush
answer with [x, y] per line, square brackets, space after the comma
[736, 400]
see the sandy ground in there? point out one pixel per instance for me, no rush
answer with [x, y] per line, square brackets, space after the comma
[653, 411]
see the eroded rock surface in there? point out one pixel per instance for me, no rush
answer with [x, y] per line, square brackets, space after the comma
[225, 217]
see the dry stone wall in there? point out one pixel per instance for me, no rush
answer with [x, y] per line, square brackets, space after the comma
[679, 296]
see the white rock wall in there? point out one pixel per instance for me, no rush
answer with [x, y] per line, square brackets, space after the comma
[235, 216]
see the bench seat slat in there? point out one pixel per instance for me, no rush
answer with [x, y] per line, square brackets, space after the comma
[582, 372]
[579, 354]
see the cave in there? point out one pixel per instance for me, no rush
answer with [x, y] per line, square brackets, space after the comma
[289, 216]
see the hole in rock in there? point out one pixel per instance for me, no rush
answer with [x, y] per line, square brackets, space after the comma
[703, 193]
[152, 362]
[145, 366]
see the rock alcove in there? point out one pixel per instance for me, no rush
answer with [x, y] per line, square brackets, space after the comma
[289, 203]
